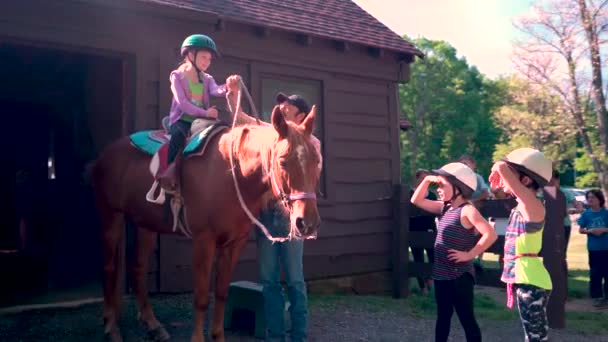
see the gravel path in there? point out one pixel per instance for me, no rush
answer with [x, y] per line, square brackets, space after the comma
[354, 319]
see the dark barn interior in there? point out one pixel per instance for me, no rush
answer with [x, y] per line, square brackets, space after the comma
[49, 237]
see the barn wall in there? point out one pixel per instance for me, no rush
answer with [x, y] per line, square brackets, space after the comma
[359, 114]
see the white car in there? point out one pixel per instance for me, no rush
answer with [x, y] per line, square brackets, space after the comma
[578, 194]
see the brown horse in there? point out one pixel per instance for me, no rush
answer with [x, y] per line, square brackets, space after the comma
[275, 159]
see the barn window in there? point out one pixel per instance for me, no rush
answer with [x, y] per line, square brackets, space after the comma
[311, 90]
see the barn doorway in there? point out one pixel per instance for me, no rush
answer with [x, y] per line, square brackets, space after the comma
[60, 108]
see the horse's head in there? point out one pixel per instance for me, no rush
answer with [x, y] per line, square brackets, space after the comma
[294, 172]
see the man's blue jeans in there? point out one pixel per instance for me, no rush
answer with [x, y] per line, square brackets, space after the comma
[270, 258]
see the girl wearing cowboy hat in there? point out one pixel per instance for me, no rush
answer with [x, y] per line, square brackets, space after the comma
[521, 174]
[456, 245]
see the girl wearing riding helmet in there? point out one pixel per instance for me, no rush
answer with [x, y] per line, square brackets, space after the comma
[456, 245]
[192, 88]
[521, 174]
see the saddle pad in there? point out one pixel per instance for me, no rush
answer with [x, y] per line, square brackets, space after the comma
[200, 139]
[148, 141]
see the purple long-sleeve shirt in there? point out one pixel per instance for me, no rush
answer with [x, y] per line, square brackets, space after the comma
[181, 95]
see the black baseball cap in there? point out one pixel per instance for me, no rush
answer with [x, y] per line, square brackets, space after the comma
[296, 100]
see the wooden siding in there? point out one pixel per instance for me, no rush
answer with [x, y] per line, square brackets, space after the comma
[360, 115]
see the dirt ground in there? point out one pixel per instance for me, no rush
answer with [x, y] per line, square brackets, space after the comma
[344, 321]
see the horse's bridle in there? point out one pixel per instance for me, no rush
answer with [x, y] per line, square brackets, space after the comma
[286, 198]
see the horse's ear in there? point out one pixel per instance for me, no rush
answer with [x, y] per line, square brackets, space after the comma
[309, 121]
[279, 122]
[244, 138]
[246, 156]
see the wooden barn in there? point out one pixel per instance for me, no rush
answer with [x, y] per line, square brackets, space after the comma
[77, 74]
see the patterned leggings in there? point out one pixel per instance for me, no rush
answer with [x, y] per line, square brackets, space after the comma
[532, 304]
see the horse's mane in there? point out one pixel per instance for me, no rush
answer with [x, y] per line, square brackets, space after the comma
[261, 138]
[250, 137]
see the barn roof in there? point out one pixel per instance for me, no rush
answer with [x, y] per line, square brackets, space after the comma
[341, 20]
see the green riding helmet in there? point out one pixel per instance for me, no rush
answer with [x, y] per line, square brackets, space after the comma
[198, 41]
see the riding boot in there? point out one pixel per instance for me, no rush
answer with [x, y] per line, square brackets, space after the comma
[179, 134]
[167, 179]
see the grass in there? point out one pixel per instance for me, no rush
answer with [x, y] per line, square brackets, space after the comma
[578, 284]
[417, 305]
[486, 308]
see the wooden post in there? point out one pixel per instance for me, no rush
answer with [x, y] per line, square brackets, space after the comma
[554, 256]
[400, 242]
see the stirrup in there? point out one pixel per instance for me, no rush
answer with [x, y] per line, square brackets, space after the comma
[160, 199]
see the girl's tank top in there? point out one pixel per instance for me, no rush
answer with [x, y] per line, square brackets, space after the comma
[196, 97]
[451, 234]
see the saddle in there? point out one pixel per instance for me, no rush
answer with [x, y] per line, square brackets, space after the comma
[155, 143]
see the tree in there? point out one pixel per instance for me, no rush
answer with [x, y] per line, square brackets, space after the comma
[589, 20]
[449, 105]
[534, 117]
[550, 55]
[589, 16]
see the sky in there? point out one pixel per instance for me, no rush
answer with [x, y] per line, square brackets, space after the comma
[480, 30]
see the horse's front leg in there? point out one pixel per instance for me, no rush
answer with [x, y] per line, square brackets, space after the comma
[146, 240]
[203, 251]
[226, 261]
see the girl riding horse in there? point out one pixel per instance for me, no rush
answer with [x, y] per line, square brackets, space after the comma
[192, 88]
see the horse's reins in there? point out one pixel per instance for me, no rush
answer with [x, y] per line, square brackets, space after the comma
[236, 184]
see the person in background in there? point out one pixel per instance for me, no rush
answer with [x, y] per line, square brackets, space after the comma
[421, 221]
[594, 223]
[482, 191]
[570, 209]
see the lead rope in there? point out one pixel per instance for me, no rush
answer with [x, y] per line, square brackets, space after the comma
[236, 184]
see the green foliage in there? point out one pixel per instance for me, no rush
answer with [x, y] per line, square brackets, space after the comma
[501, 150]
[533, 117]
[449, 105]
[455, 110]
[586, 176]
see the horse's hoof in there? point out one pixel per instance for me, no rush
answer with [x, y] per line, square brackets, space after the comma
[112, 336]
[217, 337]
[159, 334]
